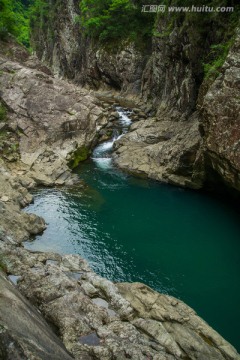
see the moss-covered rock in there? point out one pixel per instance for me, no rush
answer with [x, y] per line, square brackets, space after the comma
[80, 154]
[3, 112]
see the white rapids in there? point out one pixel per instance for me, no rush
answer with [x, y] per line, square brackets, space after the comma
[102, 153]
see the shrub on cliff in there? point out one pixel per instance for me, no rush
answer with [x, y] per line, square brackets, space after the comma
[7, 19]
[113, 20]
[14, 20]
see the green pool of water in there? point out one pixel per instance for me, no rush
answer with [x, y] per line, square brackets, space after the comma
[177, 241]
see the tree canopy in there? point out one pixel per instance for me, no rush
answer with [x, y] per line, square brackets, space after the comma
[14, 19]
[109, 20]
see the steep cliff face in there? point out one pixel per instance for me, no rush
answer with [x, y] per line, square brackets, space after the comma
[57, 39]
[60, 43]
[165, 71]
[163, 78]
[220, 116]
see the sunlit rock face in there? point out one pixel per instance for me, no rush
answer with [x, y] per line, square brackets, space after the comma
[53, 119]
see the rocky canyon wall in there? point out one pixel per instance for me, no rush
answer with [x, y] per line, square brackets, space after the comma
[49, 119]
[220, 122]
[165, 78]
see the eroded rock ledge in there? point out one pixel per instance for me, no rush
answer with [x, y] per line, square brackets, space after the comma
[56, 122]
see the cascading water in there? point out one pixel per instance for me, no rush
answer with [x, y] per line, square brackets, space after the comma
[102, 153]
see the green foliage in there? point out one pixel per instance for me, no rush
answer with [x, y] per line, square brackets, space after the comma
[7, 19]
[212, 31]
[77, 156]
[3, 266]
[218, 54]
[111, 21]
[114, 20]
[39, 14]
[14, 19]
[22, 23]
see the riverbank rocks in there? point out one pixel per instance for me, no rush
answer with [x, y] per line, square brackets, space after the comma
[53, 119]
[163, 74]
[24, 334]
[97, 319]
[162, 150]
[204, 149]
[13, 221]
[93, 317]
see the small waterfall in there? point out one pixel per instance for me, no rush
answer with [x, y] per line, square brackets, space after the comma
[102, 154]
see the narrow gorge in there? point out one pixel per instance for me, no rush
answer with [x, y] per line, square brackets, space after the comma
[119, 181]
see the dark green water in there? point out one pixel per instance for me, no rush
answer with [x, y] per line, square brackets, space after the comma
[177, 241]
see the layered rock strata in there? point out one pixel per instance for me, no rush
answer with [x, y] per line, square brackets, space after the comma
[55, 121]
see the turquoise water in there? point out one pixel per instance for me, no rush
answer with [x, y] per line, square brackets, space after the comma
[179, 242]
